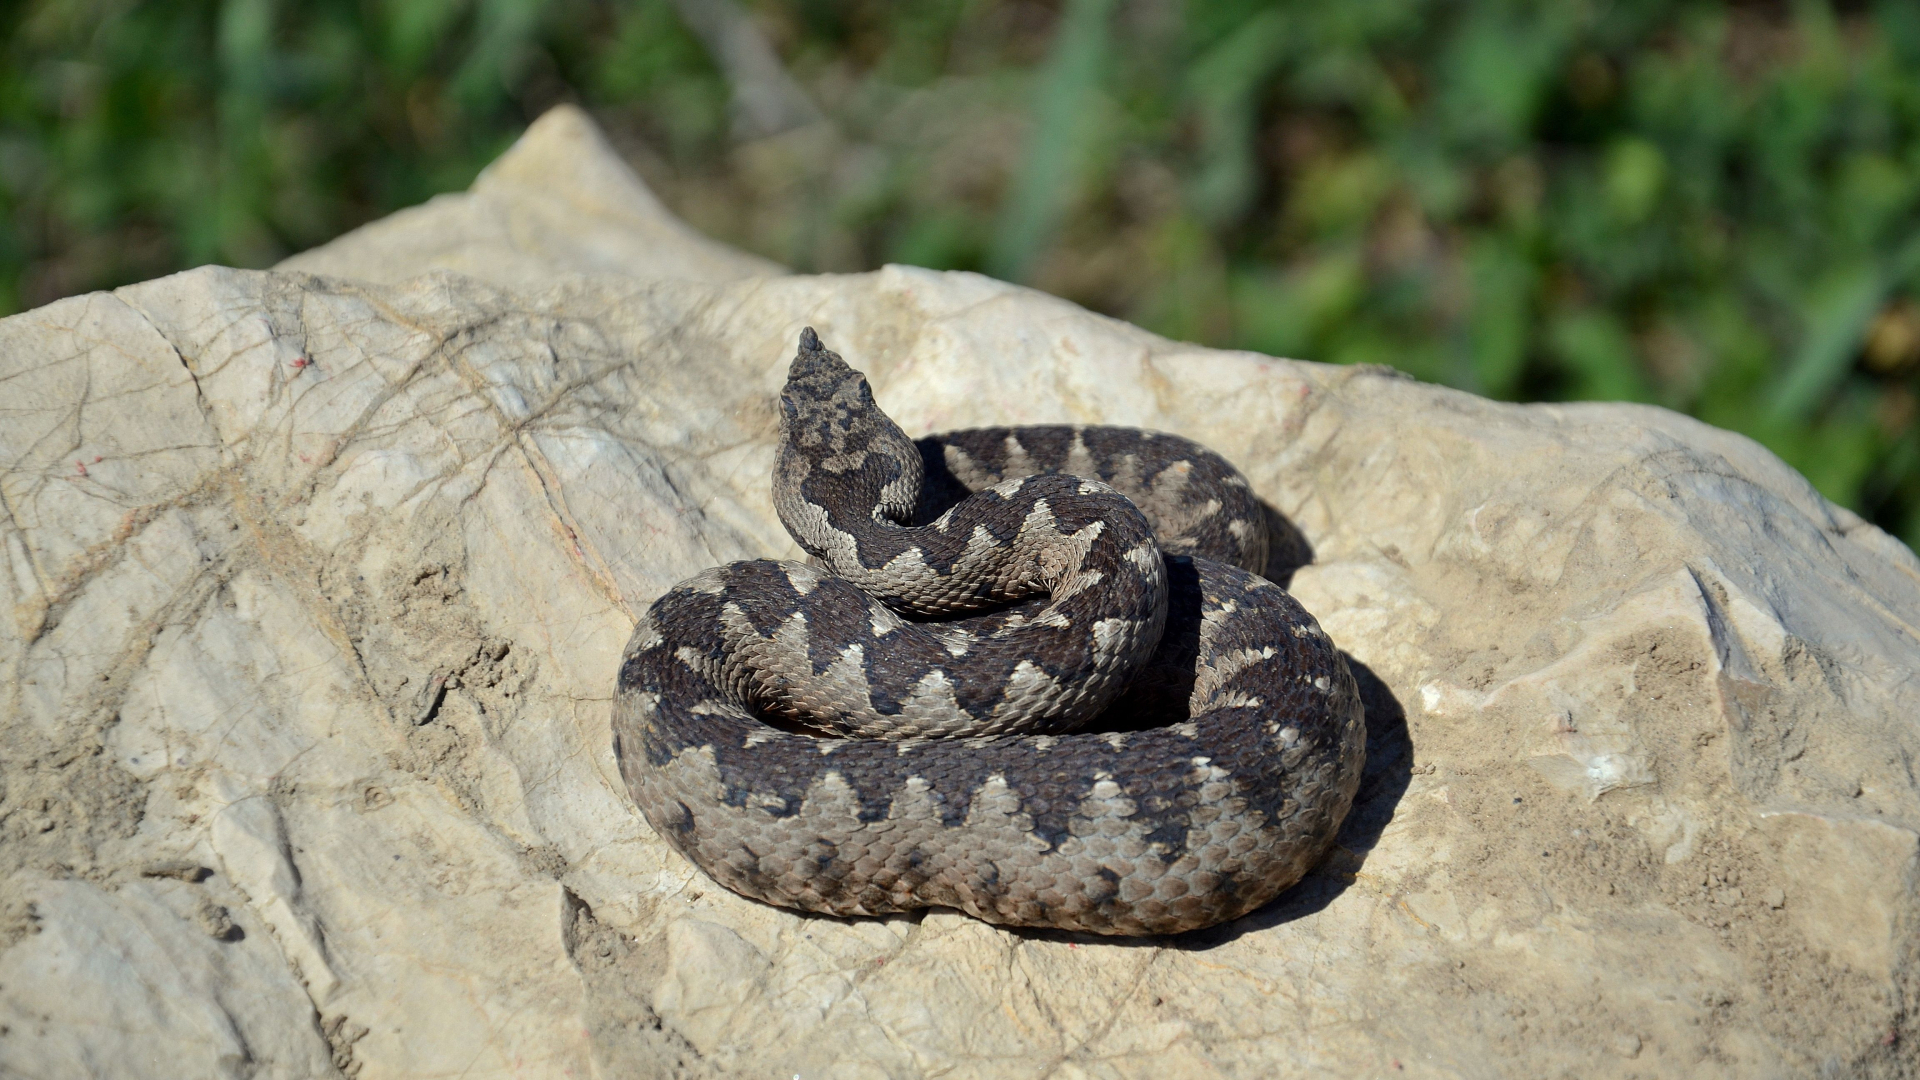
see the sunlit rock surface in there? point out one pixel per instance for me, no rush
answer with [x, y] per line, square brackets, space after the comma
[315, 587]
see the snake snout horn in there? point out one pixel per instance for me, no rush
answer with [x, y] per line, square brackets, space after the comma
[817, 377]
[824, 394]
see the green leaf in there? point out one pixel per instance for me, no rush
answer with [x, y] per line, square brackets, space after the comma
[1636, 171]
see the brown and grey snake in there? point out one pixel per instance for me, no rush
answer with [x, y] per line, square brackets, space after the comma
[1064, 700]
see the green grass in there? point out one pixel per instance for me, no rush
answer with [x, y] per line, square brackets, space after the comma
[1714, 208]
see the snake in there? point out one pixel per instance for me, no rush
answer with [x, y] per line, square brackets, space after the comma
[1032, 674]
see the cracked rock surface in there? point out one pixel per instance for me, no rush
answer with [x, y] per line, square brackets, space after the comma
[316, 579]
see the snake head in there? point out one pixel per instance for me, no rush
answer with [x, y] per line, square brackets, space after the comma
[825, 404]
[833, 433]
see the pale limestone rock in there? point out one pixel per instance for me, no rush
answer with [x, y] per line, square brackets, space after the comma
[131, 981]
[319, 584]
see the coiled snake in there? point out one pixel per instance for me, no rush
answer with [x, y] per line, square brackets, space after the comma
[1027, 708]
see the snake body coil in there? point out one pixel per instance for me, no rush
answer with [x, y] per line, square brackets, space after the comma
[1047, 706]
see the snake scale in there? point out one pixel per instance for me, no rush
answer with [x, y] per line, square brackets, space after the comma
[1064, 700]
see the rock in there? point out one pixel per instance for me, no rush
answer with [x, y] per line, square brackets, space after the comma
[318, 582]
[127, 981]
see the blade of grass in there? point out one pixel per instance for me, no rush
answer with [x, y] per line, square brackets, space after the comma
[1837, 315]
[1068, 79]
[1224, 84]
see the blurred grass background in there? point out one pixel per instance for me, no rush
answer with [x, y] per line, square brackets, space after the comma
[1706, 206]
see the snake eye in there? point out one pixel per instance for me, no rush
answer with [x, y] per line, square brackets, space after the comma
[788, 408]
